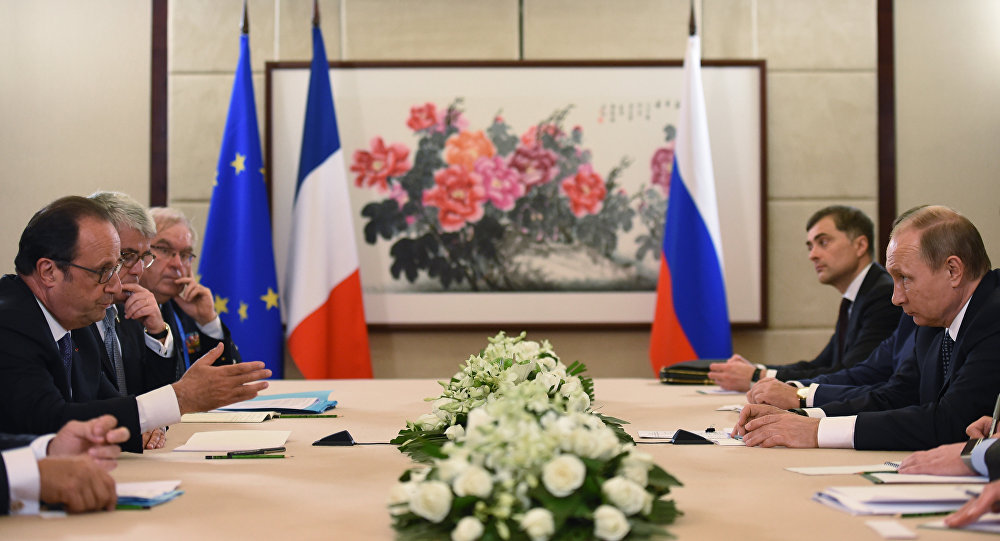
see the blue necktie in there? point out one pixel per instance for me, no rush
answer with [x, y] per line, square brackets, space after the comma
[114, 347]
[66, 353]
[946, 345]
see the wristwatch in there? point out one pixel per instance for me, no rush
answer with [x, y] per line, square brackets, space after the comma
[802, 393]
[158, 335]
[756, 375]
[967, 453]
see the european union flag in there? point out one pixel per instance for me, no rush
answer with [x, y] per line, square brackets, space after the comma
[237, 263]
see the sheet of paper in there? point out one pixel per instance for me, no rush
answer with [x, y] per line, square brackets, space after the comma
[988, 523]
[891, 529]
[732, 407]
[147, 489]
[906, 500]
[717, 391]
[272, 404]
[893, 478]
[842, 470]
[228, 417]
[223, 441]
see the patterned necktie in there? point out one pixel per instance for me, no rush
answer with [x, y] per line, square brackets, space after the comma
[845, 306]
[66, 354]
[946, 345]
[114, 347]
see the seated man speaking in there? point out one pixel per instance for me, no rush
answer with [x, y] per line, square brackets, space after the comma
[942, 280]
[841, 248]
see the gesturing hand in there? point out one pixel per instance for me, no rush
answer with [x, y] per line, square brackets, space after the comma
[205, 387]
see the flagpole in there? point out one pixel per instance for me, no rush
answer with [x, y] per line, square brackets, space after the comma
[315, 13]
[245, 26]
[692, 27]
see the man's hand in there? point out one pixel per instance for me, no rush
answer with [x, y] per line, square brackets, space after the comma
[773, 392]
[941, 460]
[196, 300]
[988, 500]
[732, 375]
[154, 439]
[142, 307]
[77, 482]
[97, 437]
[785, 429]
[979, 428]
[754, 411]
[205, 387]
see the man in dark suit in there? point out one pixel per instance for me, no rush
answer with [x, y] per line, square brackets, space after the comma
[67, 264]
[187, 306]
[845, 384]
[840, 240]
[942, 280]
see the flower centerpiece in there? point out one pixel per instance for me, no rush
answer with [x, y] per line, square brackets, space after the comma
[505, 364]
[525, 467]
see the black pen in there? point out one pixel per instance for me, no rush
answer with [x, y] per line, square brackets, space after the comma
[256, 451]
[220, 457]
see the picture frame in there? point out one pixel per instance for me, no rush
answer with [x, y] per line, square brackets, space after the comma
[573, 261]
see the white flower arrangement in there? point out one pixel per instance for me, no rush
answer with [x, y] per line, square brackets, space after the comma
[526, 468]
[505, 364]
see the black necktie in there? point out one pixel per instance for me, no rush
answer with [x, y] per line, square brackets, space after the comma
[946, 345]
[66, 353]
[845, 306]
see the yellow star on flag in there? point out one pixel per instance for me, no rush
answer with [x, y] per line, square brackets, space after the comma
[270, 300]
[243, 311]
[238, 163]
[221, 305]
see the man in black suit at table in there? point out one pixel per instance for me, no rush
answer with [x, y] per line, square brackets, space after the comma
[942, 279]
[841, 247]
[187, 306]
[68, 468]
[67, 264]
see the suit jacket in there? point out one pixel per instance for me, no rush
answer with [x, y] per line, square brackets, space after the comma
[196, 342]
[869, 374]
[873, 318]
[9, 441]
[916, 409]
[35, 393]
[145, 370]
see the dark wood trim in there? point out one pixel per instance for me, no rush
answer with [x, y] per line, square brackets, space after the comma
[760, 64]
[886, 125]
[158, 106]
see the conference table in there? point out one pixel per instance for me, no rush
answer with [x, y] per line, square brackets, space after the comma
[341, 492]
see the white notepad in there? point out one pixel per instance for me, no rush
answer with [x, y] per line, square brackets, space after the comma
[223, 441]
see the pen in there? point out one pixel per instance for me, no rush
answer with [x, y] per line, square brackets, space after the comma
[219, 457]
[304, 416]
[996, 414]
[256, 451]
[131, 506]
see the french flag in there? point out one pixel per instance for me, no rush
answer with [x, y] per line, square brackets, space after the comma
[691, 319]
[327, 333]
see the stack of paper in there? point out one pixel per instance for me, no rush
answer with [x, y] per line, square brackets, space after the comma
[229, 417]
[224, 441]
[307, 402]
[989, 523]
[891, 478]
[896, 499]
[147, 494]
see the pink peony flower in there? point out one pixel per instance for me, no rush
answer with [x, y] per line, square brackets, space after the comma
[458, 195]
[530, 137]
[585, 191]
[503, 185]
[375, 167]
[662, 165]
[536, 164]
[422, 117]
[457, 120]
[399, 194]
[464, 148]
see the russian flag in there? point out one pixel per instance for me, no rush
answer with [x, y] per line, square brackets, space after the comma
[691, 319]
[327, 333]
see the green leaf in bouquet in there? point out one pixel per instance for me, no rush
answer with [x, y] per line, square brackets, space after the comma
[641, 529]
[660, 481]
[664, 512]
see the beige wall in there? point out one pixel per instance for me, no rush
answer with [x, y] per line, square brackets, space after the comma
[821, 57]
[74, 105]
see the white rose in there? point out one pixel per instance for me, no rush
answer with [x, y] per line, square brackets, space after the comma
[636, 466]
[547, 380]
[427, 421]
[563, 474]
[538, 524]
[548, 363]
[450, 468]
[474, 481]
[431, 500]
[455, 432]
[610, 524]
[399, 498]
[572, 385]
[578, 402]
[467, 529]
[625, 494]
[477, 417]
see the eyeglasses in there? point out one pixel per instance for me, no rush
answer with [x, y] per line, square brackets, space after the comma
[187, 256]
[104, 274]
[130, 257]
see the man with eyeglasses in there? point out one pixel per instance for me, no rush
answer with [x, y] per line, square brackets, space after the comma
[67, 266]
[187, 305]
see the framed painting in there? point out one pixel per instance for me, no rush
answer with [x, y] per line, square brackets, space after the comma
[527, 192]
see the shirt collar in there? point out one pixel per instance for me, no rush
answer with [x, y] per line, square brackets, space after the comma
[851, 292]
[957, 323]
[58, 331]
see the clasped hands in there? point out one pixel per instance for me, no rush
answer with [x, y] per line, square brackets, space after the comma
[762, 425]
